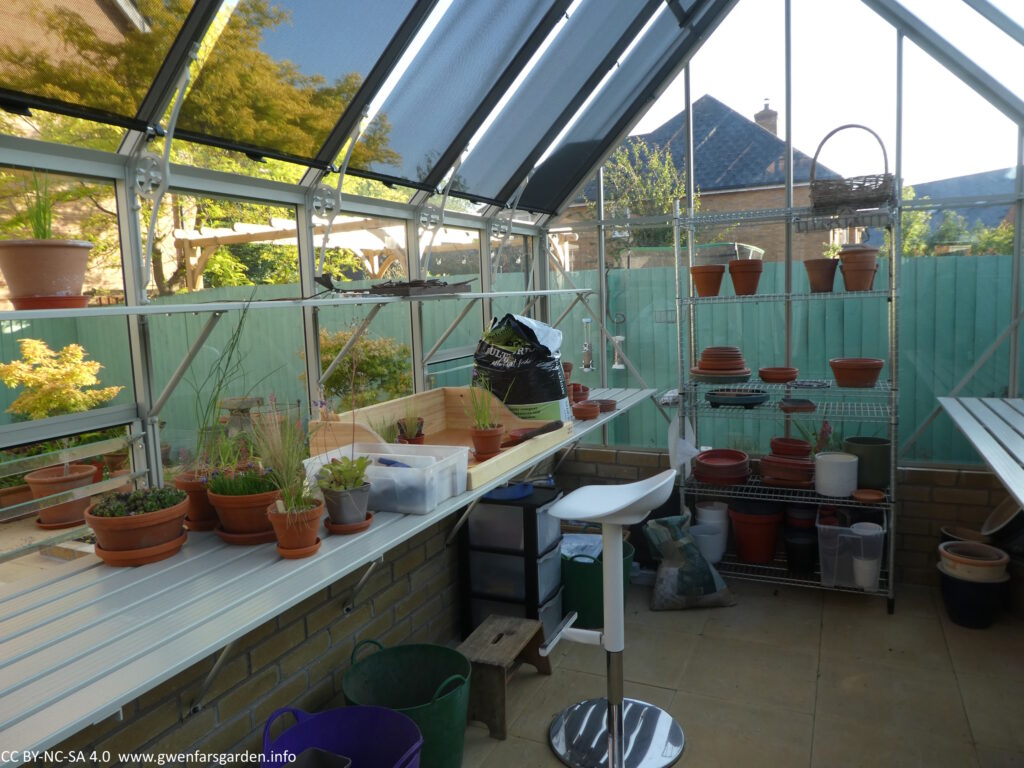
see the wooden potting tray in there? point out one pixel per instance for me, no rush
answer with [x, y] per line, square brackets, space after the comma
[446, 421]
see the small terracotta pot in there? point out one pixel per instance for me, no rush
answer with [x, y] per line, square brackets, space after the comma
[756, 535]
[821, 274]
[790, 446]
[745, 274]
[567, 370]
[50, 268]
[858, 255]
[585, 410]
[50, 302]
[417, 433]
[115, 461]
[487, 442]
[297, 530]
[418, 440]
[45, 482]
[16, 494]
[244, 514]
[707, 280]
[118, 534]
[858, 278]
[128, 486]
[200, 515]
[856, 371]
[578, 393]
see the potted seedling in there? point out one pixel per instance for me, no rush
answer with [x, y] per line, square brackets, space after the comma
[410, 426]
[821, 273]
[283, 445]
[240, 490]
[139, 527]
[44, 272]
[345, 489]
[485, 433]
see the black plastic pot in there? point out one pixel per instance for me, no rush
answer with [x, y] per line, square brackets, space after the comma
[801, 550]
[973, 604]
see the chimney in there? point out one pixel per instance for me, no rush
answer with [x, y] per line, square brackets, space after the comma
[768, 119]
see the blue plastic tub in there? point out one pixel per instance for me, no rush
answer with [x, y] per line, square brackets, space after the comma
[371, 737]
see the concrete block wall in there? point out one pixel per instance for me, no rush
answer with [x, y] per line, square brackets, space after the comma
[297, 659]
[928, 499]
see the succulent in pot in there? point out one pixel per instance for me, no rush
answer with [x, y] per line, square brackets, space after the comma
[485, 432]
[346, 491]
[138, 527]
[281, 440]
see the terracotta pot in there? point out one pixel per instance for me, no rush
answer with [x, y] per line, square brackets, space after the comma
[567, 370]
[418, 440]
[97, 475]
[201, 515]
[50, 302]
[127, 487]
[790, 446]
[585, 410]
[133, 557]
[973, 561]
[16, 494]
[578, 393]
[856, 371]
[486, 442]
[417, 432]
[44, 267]
[745, 274]
[858, 278]
[347, 507]
[46, 482]
[298, 530]
[756, 535]
[707, 280]
[858, 255]
[117, 534]
[821, 274]
[115, 461]
[244, 514]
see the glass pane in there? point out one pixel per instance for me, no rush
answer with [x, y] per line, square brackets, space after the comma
[588, 36]
[446, 81]
[452, 255]
[278, 78]
[92, 54]
[511, 270]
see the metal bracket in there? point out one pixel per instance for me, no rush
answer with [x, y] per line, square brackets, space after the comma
[460, 522]
[328, 201]
[151, 173]
[437, 219]
[449, 330]
[505, 229]
[350, 606]
[198, 703]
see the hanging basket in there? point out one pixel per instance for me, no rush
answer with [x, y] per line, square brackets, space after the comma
[857, 190]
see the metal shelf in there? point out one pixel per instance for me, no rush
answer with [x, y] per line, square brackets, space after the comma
[855, 411]
[777, 572]
[805, 219]
[881, 389]
[755, 489]
[759, 298]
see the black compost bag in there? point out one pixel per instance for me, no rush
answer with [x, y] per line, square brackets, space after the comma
[521, 370]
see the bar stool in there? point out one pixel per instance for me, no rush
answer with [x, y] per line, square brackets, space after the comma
[612, 732]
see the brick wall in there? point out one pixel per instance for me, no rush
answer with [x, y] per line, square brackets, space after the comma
[928, 500]
[297, 659]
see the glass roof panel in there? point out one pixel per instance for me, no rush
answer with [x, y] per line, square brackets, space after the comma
[87, 53]
[580, 146]
[589, 34]
[280, 77]
[976, 37]
[460, 62]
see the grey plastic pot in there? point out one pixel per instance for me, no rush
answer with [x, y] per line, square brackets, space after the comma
[347, 507]
[873, 460]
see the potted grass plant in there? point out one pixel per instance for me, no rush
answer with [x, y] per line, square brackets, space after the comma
[386, 429]
[410, 426]
[240, 491]
[282, 444]
[139, 527]
[44, 272]
[485, 432]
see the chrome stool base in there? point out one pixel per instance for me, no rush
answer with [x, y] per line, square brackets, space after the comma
[651, 738]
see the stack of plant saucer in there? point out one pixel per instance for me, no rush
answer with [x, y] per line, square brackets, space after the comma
[721, 365]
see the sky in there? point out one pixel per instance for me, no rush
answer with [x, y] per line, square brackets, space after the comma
[844, 60]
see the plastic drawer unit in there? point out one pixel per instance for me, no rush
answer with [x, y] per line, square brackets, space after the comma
[495, 575]
[550, 613]
[504, 526]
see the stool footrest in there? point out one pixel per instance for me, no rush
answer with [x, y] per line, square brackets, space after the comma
[549, 643]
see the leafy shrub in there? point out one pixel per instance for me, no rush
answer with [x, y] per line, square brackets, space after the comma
[384, 371]
[138, 502]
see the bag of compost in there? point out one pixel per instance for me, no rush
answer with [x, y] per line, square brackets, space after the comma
[519, 359]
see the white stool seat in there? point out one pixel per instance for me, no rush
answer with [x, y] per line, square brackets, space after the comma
[626, 504]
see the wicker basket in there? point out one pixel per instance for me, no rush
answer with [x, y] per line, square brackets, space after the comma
[857, 190]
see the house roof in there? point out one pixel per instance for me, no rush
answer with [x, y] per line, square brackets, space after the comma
[976, 186]
[731, 150]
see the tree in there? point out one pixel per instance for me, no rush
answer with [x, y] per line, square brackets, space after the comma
[643, 180]
[917, 229]
[992, 240]
[384, 371]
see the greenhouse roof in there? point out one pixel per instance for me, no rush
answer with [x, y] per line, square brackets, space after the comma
[498, 98]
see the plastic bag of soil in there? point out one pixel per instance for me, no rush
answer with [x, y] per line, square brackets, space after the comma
[519, 358]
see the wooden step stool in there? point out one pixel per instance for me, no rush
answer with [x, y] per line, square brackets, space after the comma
[497, 647]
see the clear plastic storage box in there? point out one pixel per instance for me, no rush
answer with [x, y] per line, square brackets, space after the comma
[434, 474]
[852, 556]
[500, 526]
[504, 576]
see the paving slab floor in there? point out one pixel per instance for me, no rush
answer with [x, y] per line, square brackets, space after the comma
[795, 677]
